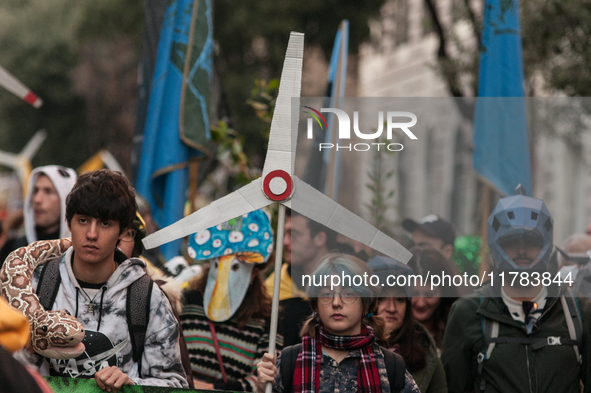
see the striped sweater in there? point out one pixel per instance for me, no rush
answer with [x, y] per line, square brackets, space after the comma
[241, 349]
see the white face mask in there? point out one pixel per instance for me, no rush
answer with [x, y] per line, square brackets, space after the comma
[228, 281]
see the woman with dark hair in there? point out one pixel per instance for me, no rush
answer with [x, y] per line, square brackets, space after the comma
[430, 306]
[407, 337]
[226, 318]
[339, 350]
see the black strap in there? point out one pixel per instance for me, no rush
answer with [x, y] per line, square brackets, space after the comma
[575, 316]
[396, 369]
[289, 357]
[49, 283]
[489, 328]
[138, 304]
[536, 343]
[138, 315]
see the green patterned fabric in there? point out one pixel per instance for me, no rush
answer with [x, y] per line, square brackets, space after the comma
[74, 385]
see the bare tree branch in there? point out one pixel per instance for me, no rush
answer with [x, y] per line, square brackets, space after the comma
[443, 58]
[476, 24]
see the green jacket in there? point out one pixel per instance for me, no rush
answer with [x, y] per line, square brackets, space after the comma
[431, 378]
[513, 367]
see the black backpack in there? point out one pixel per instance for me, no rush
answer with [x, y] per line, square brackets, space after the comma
[138, 310]
[574, 323]
[394, 366]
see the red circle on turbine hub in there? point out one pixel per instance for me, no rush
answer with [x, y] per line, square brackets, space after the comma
[272, 175]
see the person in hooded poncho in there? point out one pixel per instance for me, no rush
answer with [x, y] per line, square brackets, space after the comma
[45, 207]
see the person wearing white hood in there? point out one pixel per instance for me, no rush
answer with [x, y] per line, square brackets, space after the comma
[45, 207]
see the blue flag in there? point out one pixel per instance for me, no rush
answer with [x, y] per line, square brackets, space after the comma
[319, 163]
[501, 145]
[177, 121]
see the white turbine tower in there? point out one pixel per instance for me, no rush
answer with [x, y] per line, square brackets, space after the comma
[279, 185]
[21, 163]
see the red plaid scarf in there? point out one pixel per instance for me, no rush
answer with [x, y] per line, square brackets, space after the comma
[307, 371]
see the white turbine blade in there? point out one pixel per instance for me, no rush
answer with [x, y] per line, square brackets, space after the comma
[242, 201]
[110, 161]
[9, 159]
[23, 170]
[313, 204]
[33, 145]
[279, 150]
[14, 86]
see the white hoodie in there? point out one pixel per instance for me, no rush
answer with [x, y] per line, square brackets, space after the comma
[108, 344]
[63, 180]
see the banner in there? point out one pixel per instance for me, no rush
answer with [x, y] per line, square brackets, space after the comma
[322, 172]
[501, 144]
[75, 385]
[177, 122]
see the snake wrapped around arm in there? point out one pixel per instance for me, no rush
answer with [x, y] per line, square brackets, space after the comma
[54, 334]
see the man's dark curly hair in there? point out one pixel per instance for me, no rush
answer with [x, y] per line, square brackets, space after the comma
[102, 194]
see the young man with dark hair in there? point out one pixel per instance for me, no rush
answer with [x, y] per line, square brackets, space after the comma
[95, 287]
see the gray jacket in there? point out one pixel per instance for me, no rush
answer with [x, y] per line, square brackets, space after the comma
[107, 338]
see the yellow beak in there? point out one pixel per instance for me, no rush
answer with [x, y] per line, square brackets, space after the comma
[219, 305]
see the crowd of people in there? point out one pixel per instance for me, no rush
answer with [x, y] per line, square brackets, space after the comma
[214, 333]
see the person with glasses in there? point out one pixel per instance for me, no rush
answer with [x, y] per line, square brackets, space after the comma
[340, 348]
[526, 335]
[305, 243]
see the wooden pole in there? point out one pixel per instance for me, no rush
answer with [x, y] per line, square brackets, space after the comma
[485, 209]
[276, 285]
[193, 183]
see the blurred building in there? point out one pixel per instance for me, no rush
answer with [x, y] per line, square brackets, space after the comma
[438, 177]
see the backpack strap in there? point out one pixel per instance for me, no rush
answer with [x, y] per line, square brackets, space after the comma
[573, 322]
[490, 331]
[49, 283]
[138, 315]
[289, 358]
[536, 342]
[396, 369]
[572, 315]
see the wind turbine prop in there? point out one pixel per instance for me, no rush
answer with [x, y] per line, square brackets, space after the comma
[14, 86]
[21, 163]
[279, 185]
[102, 159]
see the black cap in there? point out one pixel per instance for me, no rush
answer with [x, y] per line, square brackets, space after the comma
[433, 226]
